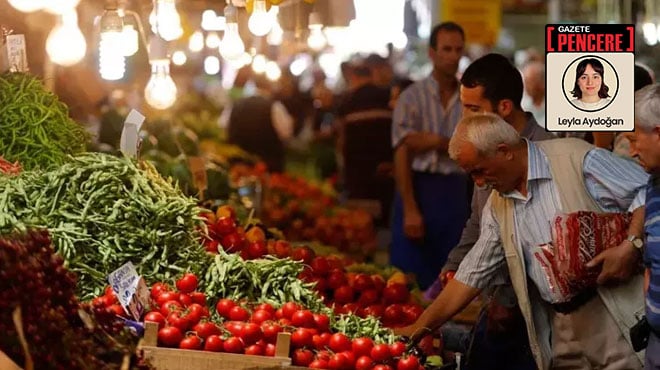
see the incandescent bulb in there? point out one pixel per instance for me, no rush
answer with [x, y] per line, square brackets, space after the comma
[66, 45]
[213, 40]
[211, 65]
[130, 43]
[160, 91]
[273, 71]
[165, 20]
[179, 58]
[60, 6]
[259, 63]
[260, 21]
[651, 34]
[27, 6]
[276, 33]
[232, 46]
[316, 40]
[112, 63]
[196, 42]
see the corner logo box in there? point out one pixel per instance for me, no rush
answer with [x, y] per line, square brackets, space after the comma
[589, 77]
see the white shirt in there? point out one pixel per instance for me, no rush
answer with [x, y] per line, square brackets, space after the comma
[527, 104]
[590, 106]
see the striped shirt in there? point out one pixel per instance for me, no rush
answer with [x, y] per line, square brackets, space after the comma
[616, 185]
[652, 251]
[419, 110]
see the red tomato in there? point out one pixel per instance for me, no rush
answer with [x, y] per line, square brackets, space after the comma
[303, 319]
[344, 294]
[336, 279]
[393, 314]
[233, 345]
[382, 367]
[266, 307]
[170, 306]
[351, 308]
[224, 226]
[254, 350]
[250, 333]
[111, 298]
[319, 341]
[198, 297]
[117, 310]
[320, 266]
[234, 327]
[408, 363]
[302, 357]
[155, 316]
[157, 289]
[187, 283]
[206, 328]
[364, 363]
[350, 359]
[288, 309]
[322, 322]
[323, 355]
[270, 330]
[167, 296]
[375, 310]
[362, 346]
[270, 350]
[304, 254]
[211, 245]
[379, 282]
[233, 243]
[301, 337]
[256, 249]
[338, 361]
[178, 320]
[214, 343]
[368, 297]
[396, 293]
[397, 349]
[318, 364]
[339, 342]
[362, 282]
[224, 306]
[185, 299]
[191, 342]
[238, 313]
[195, 313]
[380, 352]
[259, 316]
[169, 336]
[411, 312]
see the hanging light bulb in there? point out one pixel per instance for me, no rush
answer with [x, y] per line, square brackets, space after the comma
[259, 63]
[112, 63]
[130, 43]
[232, 46]
[211, 65]
[273, 71]
[196, 42]
[179, 58]
[27, 6]
[316, 40]
[260, 21]
[276, 33]
[160, 92]
[165, 20]
[651, 34]
[60, 6]
[66, 45]
[213, 40]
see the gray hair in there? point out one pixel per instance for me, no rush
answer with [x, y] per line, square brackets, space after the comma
[485, 131]
[647, 107]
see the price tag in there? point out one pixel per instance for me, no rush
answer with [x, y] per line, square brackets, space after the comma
[197, 167]
[131, 290]
[129, 142]
[13, 56]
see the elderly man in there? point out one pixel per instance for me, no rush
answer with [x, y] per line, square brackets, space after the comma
[645, 147]
[532, 183]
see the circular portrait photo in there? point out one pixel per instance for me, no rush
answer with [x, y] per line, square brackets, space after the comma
[590, 83]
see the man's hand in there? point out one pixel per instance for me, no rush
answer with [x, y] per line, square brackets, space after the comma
[413, 224]
[619, 263]
[413, 332]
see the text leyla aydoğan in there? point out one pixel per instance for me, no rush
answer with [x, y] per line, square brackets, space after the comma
[598, 121]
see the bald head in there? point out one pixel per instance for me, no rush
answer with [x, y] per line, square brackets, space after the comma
[534, 79]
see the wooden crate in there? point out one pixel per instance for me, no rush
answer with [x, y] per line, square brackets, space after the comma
[183, 359]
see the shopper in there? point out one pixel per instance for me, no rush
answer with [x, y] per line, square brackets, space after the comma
[430, 207]
[533, 99]
[532, 183]
[492, 84]
[645, 146]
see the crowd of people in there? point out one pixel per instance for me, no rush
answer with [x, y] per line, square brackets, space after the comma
[469, 181]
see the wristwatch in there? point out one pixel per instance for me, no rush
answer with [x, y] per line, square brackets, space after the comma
[636, 241]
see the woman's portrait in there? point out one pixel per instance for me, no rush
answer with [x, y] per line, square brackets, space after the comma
[590, 91]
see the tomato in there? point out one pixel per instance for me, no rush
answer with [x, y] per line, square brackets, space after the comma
[282, 249]
[167, 296]
[100, 302]
[375, 310]
[155, 316]
[234, 327]
[339, 342]
[169, 336]
[196, 312]
[303, 319]
[344, 294]
[323, 355]
[199, 298]
[170, 306]
[288, 309]
[396, 293]
[266, 307]
[279, 313]
[393, 314]
[157, 289]
[270, 330]
[191, 342]
[233, 345]
[411, 312]
[380, 352]
[111, 298]
[351, 308]
[337, 362]
[211, 245]
[336, 278]
[206, 328]
[256, 249]
[185, 299]
[302, 357]
[224, 226]
[178, 320]
[397, 349]
[116, 309]
[362, 346]
[319, 341]
[350, 359]
[233, 243]
[320, 284]
[238, 313]
[187, 283]
[301, 337]
[320, 266]
[214, 343]
[368, 297]
[382, 367]
[322, 322]
[254, 350]
[304, 254]
[270, 350]
[250, 333]
[319, 364]
[408, 363]
[426, 345]
[378, 282]
[224, 306]
[259, 316]
[364, 363]
[362, 282]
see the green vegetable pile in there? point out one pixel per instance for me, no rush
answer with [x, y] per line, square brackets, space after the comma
[36, 128]
[356, 327]
[103, 211]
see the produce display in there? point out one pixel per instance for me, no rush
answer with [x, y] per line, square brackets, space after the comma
[104, 211]
[36, 128]
[37, 294]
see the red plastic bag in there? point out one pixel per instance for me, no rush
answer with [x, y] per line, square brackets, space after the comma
[576, 239]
